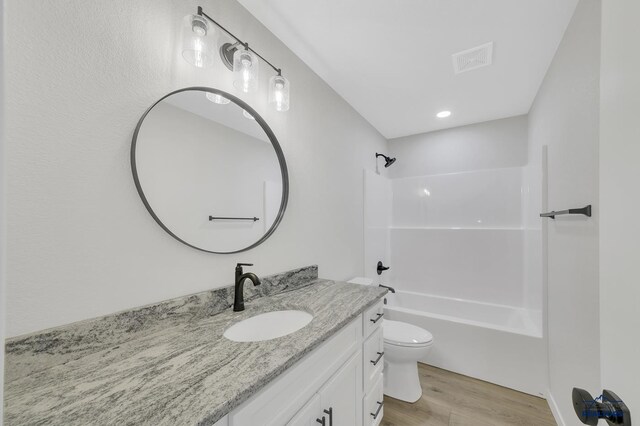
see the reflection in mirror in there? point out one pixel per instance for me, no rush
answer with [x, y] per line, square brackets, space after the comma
[211, 177]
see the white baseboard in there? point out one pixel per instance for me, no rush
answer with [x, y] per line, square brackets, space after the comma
[554, 409]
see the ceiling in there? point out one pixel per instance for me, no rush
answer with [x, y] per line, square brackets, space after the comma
[391, 59]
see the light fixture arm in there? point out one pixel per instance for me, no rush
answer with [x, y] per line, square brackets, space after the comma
[246, 45]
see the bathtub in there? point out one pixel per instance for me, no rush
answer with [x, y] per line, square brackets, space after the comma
[495, 343]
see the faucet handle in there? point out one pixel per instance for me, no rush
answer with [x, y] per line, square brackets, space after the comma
[381, 268]
[240, 265]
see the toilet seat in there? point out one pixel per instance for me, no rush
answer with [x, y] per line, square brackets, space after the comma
[399, 333]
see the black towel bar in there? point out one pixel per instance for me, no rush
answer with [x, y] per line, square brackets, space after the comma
[586, 210]
[233, 218]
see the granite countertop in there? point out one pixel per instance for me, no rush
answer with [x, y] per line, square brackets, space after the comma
[169, 364]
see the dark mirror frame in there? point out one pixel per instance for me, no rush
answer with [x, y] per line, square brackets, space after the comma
[274, 143]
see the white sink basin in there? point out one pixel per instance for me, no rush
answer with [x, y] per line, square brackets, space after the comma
[268, 326]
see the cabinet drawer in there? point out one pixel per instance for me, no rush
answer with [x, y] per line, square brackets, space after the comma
[373, 409]
[372, 318]
[372, 359]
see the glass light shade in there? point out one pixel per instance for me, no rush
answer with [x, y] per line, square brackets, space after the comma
[247, 115]
[217, 99]
[279, 93]
[245, 70]
[198, 41]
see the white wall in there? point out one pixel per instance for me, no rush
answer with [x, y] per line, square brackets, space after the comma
[565, 117]
[80, 242]
[3, 228]
[620, 201]
[490, 145]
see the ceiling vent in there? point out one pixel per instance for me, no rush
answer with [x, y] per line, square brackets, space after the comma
[474, 58]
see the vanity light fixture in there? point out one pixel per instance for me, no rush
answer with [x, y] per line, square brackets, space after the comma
[245, 69]
[279, 92]
[443, 114]
[237, 56]
[217, 99]
[197, 41]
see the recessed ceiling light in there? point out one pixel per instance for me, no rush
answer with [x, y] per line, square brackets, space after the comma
[443, 114]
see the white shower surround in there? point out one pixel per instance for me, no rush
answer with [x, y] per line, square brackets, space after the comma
[460, 249]
[461, 254]
[484, 265]
[462, 235]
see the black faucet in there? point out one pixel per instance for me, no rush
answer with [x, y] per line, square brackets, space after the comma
[391, 289]
[238, 298]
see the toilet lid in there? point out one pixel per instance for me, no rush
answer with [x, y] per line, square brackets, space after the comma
[404, 334]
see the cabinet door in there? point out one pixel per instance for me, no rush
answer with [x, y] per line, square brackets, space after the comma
[341, 396]
[309, 415]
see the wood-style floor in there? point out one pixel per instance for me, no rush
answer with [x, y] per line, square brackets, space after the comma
[450, 399]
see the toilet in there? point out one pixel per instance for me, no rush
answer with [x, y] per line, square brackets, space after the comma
[404, 345]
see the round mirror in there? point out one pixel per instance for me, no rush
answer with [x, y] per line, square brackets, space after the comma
[210, 170]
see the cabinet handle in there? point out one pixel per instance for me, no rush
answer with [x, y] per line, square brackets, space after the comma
[377, 318]
[322, 422]
[380, 355]
[330, 413]
[375, 415]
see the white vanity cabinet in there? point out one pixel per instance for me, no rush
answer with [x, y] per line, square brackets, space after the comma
[332, 386]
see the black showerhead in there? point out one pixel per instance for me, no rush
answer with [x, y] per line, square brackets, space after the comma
[387, 160]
